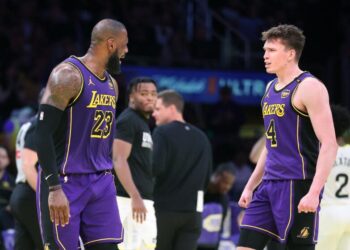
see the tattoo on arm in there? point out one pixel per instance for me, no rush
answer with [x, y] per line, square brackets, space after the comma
[64, 84]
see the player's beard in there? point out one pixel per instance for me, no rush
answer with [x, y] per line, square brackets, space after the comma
[113, 65]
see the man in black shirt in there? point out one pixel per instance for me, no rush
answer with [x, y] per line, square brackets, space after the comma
[182, 162]
[22, 201]
[132, 156]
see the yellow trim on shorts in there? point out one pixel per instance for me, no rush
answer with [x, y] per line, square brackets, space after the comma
[290, 207]
[58, 238]
[104, 239]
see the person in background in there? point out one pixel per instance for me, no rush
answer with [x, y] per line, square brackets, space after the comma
[182, 164]
[23, 202]
[335, 205]
[257, 149]
[132, 156]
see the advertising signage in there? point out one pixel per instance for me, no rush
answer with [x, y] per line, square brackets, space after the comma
[204, 85]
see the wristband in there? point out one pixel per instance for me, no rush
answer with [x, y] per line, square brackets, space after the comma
[54, 188]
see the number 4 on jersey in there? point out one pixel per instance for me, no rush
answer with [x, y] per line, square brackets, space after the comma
[271, 133]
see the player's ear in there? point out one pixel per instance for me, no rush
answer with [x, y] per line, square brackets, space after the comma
[291, 55]
[173, 108]
[131, 98]
[111, 44]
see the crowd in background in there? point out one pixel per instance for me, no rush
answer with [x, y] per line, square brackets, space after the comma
[35, 35]
[162, 33]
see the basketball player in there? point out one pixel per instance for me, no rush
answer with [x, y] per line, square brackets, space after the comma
[132, 154]
[74, 139]
[299, 153]
[182, 165]
[335, 205]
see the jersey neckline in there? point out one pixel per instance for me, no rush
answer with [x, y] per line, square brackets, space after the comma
[104, 79]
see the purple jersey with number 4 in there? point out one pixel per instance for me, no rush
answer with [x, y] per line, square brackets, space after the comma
[89, 124]
[290, 139]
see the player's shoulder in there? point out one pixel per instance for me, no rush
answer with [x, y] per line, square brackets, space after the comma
[312, 87]
[65, 72]
[311, 81]
[64, 85]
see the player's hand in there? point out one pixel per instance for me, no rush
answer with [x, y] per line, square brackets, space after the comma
[246, 198]
[59, 207]
[138, 209]
[309, 203]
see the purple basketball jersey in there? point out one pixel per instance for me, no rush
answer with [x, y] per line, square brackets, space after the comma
[290, 139]
[90, 124]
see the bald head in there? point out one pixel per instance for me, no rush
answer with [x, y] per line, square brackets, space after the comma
[105, 29]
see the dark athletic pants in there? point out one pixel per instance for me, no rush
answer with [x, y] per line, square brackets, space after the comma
[178, 230]
[23, 207]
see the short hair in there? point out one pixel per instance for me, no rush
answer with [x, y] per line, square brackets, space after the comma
[171, 97]
[291, 36]
[104, 29]
[136, 81]
[341, 119]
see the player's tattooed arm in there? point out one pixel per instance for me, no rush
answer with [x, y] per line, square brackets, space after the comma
[63, 86]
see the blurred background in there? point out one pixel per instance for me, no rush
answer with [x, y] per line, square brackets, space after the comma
[209, 50]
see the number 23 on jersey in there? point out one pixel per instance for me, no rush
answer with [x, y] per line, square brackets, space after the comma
[102, 117]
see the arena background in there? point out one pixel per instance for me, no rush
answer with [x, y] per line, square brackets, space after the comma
[208, 50]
